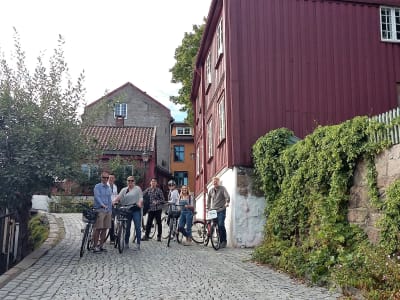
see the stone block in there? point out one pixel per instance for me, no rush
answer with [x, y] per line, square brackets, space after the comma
[360, 178]
[358, 197]
[393, 169]
[381, 164]
[358, 215]
[373, 234]
[382, 181]
[373, 218]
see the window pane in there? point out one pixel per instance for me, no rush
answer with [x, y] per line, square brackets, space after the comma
[120, 110]
[179, 153]
[221, 111]
[181, 178]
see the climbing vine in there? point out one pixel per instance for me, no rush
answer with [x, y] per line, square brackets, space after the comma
[307, 188]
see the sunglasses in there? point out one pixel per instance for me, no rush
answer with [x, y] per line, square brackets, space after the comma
[130, 180]
[104, 177]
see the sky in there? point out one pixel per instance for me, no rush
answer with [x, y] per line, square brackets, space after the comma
[113, 42]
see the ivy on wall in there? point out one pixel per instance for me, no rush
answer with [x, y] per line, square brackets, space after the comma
[307, 188]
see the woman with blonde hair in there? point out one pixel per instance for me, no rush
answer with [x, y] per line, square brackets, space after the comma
[132, 196]
[186, 218]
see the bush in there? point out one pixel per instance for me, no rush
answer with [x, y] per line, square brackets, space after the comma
[307, 187]
[38, 230]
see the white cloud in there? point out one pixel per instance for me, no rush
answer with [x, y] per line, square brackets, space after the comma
[113, 41]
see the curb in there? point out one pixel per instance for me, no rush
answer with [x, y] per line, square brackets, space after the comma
[33, 257]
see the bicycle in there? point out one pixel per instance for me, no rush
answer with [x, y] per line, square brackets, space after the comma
[122, 215]
[89, 216]
[211, 230]
[174, 215]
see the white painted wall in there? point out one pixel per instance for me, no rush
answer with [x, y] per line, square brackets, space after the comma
[245, 218]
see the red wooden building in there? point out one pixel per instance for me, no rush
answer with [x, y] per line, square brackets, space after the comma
[266, 64]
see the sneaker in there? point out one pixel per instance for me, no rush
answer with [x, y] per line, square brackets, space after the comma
[103, 249]
[145, 238]
[96, 250]
[159, 239]
[127, 245]
[136, 247]
[223, 245]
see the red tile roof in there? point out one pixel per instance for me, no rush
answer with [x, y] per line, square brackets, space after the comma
[121, 139]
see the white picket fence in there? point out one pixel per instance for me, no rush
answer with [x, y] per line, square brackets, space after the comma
[392, 133]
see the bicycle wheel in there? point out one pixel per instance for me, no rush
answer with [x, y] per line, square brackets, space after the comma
[207, 233]
[121, 238]
[165, 227]
[198, 232]
[215, 241]
[117, 239]
[179, 235]
[84, 240]
[89, 244]
[153, 228]
[171, 231]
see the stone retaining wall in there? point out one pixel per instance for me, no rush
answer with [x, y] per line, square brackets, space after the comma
[361, 211]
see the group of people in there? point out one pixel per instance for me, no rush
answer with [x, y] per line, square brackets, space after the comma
[106, 196]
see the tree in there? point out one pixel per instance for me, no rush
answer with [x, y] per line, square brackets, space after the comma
[40, 130]
[182, 71]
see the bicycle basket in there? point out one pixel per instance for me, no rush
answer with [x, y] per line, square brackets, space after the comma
[174, 214]
[211, 214]
[122, 212]
[89, 216]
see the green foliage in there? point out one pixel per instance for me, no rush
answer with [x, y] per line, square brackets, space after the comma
[268, 168]
[390, 222]
[369, 269]
[38, 230]
[40, 131]
[182, 71]
[122, 168]
[306, 187]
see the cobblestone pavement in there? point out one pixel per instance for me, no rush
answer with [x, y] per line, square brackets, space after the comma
[154, 272]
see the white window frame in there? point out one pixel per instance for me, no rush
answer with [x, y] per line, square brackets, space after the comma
[222, 118]
[208, 68]
[119, 107]
[198, 157]
[210, 142]
[220, 39]
[389, 20]
[183, 131]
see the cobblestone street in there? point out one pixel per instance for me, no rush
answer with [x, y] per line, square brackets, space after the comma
[154, 272]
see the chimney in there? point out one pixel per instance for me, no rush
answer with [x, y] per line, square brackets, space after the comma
[119, 121]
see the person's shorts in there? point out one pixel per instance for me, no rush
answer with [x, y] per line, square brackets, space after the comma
[103, 220]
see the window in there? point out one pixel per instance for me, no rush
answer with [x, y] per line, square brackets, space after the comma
[390, 24]
[208, 69]
[221, 115]
[198, 160]
[128, 171]
[220, 39]
[183, 131]
[210, 145]
[120, 110]
[181, 178]
[179, 153]
[91, 171]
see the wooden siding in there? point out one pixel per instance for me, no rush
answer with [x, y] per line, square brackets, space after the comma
[290, 63]
[299, 64]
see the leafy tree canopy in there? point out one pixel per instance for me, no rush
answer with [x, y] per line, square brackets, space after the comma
[182, 71]
[40, 129]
